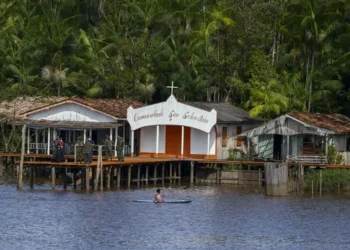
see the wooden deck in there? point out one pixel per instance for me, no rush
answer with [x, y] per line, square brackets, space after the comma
[127, 161]
[146, 160]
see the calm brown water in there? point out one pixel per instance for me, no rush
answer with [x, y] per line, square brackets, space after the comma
[220, 217]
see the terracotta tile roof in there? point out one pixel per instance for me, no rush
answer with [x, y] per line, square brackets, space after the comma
[20, 107]
[334, 122]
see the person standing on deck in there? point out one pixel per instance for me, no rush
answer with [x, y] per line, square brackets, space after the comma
[79, 150]
[61, 149]
[108, 147]
[87, 147]
[55, 150]
[92, 148]
[120, 149]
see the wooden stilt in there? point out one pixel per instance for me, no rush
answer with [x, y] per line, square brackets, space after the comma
[260, 177]
[87, 179]
[138, 175]
[109, 172]
[94, 170]
[320, 182]
[99, 167]
[115, 174]
[101, 174]
[192, 173]
[82, 179]
[171, 173]
[179, 171]
[65, 180]
[118, 177]
[129, 176]
[146, 175]
[20, 168]
[75, 179]
[174, 176]
[53, 177]
[32, 173]
[163, 173]
[155, 174]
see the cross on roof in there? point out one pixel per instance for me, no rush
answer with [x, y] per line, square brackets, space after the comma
[172, 87]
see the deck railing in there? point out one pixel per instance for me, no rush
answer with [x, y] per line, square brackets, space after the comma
[307, 158]
[41, 148]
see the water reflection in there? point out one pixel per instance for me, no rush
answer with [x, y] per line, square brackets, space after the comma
[220, 217]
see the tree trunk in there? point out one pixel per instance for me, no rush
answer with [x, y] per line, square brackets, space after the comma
[311, 79]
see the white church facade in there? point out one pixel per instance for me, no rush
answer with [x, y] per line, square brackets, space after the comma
[193, 130]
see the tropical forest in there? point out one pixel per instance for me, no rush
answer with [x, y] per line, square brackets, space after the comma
[266, 56]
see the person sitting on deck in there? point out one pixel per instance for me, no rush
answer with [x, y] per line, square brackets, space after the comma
[158, 198]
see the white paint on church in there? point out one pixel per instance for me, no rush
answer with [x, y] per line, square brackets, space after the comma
[149, 137]
[199, 142]
[70, 112]
[172, 112]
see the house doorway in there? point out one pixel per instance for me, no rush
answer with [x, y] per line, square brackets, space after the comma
[277, 147]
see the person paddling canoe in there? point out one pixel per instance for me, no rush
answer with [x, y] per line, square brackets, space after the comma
[158, 198]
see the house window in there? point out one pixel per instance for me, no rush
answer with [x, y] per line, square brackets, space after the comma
[238, 131]
[348, 144]
[224, 137]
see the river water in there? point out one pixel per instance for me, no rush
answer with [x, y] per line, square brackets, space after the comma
[220, 217]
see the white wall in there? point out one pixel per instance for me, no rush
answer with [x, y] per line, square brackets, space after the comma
[70, 112]
[223, 152]
[199, 142]
[149, 137]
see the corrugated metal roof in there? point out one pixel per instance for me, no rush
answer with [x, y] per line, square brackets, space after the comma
[226, 113]
[66, 124]
[334, 122]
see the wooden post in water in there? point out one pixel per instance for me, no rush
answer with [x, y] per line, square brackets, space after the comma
[174, 176]
[20, 168]
[171, 173]
[138, 175]
[2, 166]
[98, 167]
[146, 175]
[129, 176]
[87, 180]
[102, 173]
[75, 180]
[217, 175]
[155, 174]
[276, 179]
[320, 182]
[260, 177]
[65, 179]
[163, 174]
[82, 179]
[32, 173]
[118, 177]
[109, 172]
[179, 171]
[53, 177]
[192, 173]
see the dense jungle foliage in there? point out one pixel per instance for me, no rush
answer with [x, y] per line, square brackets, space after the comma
[267, 56]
